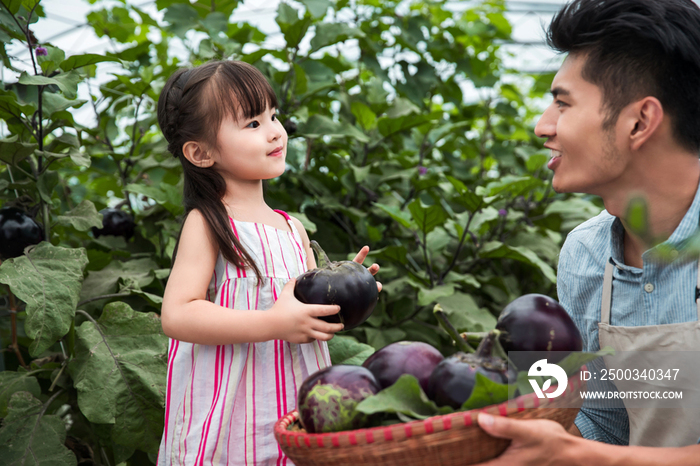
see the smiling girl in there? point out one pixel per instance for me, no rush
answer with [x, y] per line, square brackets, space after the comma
[240, 342]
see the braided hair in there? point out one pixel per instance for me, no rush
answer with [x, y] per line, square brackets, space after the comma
[191, 107]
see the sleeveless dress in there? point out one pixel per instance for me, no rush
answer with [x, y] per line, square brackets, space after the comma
[222, 401]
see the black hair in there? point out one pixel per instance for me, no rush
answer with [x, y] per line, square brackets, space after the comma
[634, 49]
[191, 107]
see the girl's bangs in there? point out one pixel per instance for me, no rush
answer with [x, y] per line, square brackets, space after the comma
[241, 91]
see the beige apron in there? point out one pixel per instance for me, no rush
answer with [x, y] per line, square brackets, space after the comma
[659, 427]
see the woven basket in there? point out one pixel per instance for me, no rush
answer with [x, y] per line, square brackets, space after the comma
[448, 440]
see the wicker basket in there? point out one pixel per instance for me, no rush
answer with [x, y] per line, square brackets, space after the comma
[448, 440]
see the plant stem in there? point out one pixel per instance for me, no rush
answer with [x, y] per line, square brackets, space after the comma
[106, 296]
[451, 331]
[13, 323]
[323, 260]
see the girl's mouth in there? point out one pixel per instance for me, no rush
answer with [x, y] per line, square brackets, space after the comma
[277, 152]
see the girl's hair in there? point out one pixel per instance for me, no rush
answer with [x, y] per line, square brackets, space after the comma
[191, 107]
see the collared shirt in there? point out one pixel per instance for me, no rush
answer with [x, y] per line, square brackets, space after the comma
[658, 293]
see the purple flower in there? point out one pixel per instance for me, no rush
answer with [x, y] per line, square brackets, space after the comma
[502, 212]
[41, 51]
[422, 170]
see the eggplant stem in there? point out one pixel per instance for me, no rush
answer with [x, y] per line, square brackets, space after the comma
[323, 260]
[499, 348]
[474, 337]
[451, 331]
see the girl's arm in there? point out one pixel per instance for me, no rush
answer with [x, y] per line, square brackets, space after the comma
[187, 316]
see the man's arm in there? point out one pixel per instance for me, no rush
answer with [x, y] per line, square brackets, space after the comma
[543, 442]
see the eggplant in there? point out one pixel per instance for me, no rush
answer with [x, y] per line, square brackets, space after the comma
[326, 400]
[535, 322]
[404, 357]
[115, 222]
[17, 231]
[454, 379]
[345, 283]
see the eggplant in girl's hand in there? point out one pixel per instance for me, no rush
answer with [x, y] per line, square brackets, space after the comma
[535, 322]
[345, 283]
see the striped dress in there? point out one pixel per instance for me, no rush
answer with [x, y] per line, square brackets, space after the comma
[222, 401]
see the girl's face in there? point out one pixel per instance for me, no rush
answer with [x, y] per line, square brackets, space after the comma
[252, 148]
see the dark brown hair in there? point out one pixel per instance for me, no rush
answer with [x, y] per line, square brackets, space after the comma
[638, 48]
[191, 107]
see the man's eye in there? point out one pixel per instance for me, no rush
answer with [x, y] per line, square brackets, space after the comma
[560, 103]
[253, 124]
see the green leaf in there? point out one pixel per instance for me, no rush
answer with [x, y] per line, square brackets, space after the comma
[13, 382]
[293, 28]
[182, 18]
[12, 152]
[573, 362]
[496, 250]
[399, 215]
[466, 197]
[427, 217]
[317, 8]
[77, 61]
[138, 273]
[347, 350]
[427, 296]
[28, 438]
[465, 314]
[637, 217]
[119, 372]
[49, 62]
[48, 278]
[82, 217]
[332, 33]
[486, 392]
[364, 116]
[318, 126]
[67, 82]
[406, 397]
[514, 185]
[53, 103]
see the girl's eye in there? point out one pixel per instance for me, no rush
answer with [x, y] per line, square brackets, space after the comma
[274, 116]
[253, 124]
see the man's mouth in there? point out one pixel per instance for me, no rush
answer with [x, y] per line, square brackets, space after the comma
[556, 156]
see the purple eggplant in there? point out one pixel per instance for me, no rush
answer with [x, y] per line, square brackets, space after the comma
[404, 357]
[326, 400]
[345, 283]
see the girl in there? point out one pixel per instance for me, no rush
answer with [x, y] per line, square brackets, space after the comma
[233, 370]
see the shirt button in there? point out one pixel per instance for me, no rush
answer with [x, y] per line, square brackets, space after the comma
[648, 287]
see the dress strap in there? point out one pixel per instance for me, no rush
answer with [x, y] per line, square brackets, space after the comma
[283, 214]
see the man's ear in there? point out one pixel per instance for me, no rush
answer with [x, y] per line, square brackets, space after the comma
[197, 154]
[648, 115]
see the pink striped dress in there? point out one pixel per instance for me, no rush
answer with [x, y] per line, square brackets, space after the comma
[222, 401]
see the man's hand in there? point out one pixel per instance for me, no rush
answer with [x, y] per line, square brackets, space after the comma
[535, 442]
[373, 269]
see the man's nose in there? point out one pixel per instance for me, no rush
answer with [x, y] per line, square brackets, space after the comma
[547, 125]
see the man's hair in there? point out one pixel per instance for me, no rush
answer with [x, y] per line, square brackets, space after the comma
[634, 49]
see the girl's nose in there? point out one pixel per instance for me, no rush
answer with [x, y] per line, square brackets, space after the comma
[547, 125]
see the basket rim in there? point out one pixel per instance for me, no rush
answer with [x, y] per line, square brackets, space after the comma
[433, 424]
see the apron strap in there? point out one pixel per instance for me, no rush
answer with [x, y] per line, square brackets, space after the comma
[607, 292]
[697, 291]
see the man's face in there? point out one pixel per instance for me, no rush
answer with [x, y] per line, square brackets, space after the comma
[585, 157]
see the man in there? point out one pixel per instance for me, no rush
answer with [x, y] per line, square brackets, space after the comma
[625, 121]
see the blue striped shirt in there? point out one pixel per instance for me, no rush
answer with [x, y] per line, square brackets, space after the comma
[580, 289]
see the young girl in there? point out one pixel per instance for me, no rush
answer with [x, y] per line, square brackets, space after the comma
[240, 343]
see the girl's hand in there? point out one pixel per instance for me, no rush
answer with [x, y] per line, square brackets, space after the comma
[373, 269]
[297, 322]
